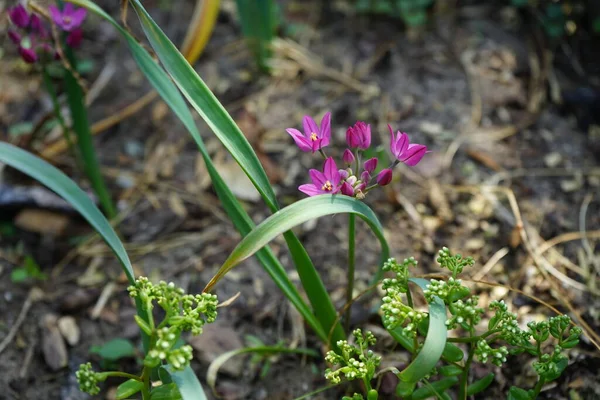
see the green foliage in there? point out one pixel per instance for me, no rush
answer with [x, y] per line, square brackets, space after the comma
[114, 350]
[502, 337]
[412, 12]
[356, 361]
[29, 271]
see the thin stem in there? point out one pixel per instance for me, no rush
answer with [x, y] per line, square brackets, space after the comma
[146, 382]
[462, 386]
[351, 262]
[409, 300]
[120, 374]
[538, 387]
[323, 154]
[471, 339]
[61, 121]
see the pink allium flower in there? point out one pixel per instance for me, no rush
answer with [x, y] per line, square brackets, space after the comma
[384, 177]
[19, 16]
[74, 38]
[359, 136]
[410, 154]
[348, 157]
[326, 182]
[69, 18]
[371, 164]
[365, 177]
[314, 137]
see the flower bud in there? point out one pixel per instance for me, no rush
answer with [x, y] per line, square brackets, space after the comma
[14, 37]
[19, 16]
[359, 136]
[371, 164]
[347, 189]
[351, 180]
[365, 177]
[348, 157]
[343, 174]
[384, 177]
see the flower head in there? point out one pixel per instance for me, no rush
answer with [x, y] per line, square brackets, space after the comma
[315, 137]
[359, 136]
[19, 16]
[326, 182]
[69, 18]
[410, 154]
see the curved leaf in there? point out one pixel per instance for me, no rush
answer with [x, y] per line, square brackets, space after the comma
[294, 215]
[54, 179]
[435, 341]
[480, 385]
[128, 388]
[188, 384]
[434, 388]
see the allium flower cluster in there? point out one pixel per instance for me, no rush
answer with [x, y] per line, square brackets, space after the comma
[33, 39]
[356, 361]
[355, 180]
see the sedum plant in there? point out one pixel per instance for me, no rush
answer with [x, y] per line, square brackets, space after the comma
[182, 313]
[492, 343]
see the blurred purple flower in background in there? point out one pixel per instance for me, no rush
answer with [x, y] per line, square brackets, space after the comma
[69, 18]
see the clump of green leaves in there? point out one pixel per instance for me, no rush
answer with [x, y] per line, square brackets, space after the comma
[355, 361]
[182, 313]
[28, 272]
[502, 337]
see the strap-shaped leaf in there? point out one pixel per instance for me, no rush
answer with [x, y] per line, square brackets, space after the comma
[435, 341]
[54, 179]
[188, 384]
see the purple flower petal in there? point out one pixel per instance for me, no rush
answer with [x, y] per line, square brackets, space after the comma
[317, 177]
[384, 177]
[414, 154]
[56, 15]
[309, 189]
[330, 170]
[28, 55]
[348, 157]
[78, 16]
[310, 126]
[365, 177]
[14, 37]
[19, 16]
[301, 141]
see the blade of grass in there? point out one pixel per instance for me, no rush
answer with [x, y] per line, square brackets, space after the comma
[221, 123]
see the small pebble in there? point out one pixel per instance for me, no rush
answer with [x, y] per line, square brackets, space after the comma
[553, 159]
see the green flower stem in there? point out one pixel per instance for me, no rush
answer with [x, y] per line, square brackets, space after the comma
[351, 264]
[409, 300]
[146, 381]
[462, 386]
[472, 339]
[119, 374]
[58, 114]
[538, 387]
[323, 154]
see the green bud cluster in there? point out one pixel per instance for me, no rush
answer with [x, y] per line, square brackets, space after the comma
[88, 379]
[454, 263]
[484, 353]
[356, 361]
[163, 350]
[465, 313]
[402, 274]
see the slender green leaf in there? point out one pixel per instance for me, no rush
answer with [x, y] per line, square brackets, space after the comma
[54, 179]
[450, 370]
[207, 105]
[128, 388]
[516, 393]
[294, 215]
[257, 20]
[435, 341]
[480, 385]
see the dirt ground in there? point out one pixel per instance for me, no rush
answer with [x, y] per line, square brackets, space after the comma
[475, 86]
